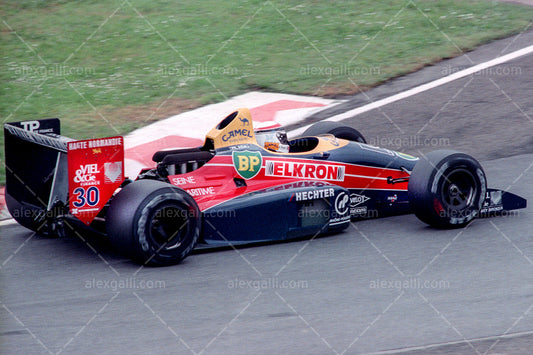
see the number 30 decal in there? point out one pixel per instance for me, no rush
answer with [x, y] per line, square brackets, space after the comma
[90, 197]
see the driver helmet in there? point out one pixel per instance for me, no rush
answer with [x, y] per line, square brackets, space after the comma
[271, 136]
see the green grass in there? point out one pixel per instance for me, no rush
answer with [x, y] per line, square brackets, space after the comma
[107, 67]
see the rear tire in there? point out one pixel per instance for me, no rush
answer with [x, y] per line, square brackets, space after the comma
[447, 189]
[337, 129]
[153, 223]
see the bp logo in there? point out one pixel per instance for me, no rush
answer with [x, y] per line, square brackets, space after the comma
[248, 164]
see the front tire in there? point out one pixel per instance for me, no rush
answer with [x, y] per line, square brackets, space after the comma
[337, 129]
[153, 223]
[447, 189]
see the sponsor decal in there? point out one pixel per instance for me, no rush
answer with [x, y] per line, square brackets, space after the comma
[297, 184]
[183, 180]
[360, 211]
[392, 198]
[237, 133]
[355, 201]
[239, 147]
[104, 142]
[95, 143]
[271, 146]
[331, 139]
[113, 172]
[312, 195]
[86, 175]
[406, 156]
[376, 149]
[342, 203]
[248, 164]
[95, 171]
[490, 209]
[304, 170]
[77, 145]
[342, 207]
[31, 126]
[495, 197]
[493, 202]
[245, 121]
[28, 130]
[201, 191]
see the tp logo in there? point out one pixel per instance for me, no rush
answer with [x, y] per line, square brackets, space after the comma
[30, 125]
[248, 164]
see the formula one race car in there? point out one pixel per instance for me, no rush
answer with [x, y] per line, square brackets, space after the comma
[242, 186]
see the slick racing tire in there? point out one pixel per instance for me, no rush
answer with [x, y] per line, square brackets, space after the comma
[153, 223]
[447, 189]
[338, 130]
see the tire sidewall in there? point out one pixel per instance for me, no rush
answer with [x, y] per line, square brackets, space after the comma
[466, 215]
[337, 129]
[129, 217]
[146, 251]
[427, 181]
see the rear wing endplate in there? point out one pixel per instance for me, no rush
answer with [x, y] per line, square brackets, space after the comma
[48, 174]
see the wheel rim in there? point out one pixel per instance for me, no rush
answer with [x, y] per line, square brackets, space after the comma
[169, 227]
[459, 190]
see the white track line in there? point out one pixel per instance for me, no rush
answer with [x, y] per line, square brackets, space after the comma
[425, 87]
[428, 348]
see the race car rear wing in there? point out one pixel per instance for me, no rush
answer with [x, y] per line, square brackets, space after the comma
[49, 175]
[36, 169]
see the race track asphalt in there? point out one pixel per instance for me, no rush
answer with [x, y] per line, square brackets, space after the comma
[390, 285]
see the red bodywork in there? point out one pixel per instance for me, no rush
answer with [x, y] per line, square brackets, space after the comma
[214, 182]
